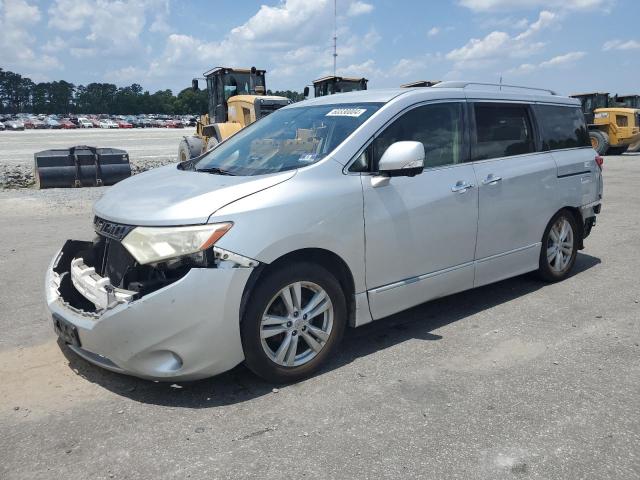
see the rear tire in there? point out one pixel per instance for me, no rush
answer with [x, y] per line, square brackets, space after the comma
[559, 247]
[599, 141]
[294, 320]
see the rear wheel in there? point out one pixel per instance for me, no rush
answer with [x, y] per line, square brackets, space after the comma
[599, 141]
[294, 320]
[559, 247]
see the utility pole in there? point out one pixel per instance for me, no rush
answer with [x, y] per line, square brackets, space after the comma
[335, 35]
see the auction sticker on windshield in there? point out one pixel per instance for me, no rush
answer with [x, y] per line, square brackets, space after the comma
[346, 112]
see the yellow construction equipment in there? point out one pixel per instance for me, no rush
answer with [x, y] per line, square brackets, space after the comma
[236, 99]
[612, 128]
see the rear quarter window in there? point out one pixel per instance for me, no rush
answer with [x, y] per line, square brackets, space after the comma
[562, 127]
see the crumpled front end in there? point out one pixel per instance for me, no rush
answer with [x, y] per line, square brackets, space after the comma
[174, 320]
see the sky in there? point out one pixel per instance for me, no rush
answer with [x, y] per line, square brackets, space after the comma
[566, 45]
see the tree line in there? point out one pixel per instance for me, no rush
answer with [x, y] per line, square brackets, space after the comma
[20, 94]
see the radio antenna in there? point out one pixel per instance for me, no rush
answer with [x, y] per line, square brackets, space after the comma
[335, 35]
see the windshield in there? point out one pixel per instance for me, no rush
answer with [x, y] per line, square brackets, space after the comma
[287, 139]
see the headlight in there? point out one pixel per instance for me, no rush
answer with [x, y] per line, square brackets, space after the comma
[153, 244]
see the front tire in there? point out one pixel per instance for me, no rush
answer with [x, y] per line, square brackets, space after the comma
[293, 322]
[559, 247]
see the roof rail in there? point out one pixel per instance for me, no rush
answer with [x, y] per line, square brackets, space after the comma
[457, 84]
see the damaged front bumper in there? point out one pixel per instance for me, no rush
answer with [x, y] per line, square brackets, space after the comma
[184, 330]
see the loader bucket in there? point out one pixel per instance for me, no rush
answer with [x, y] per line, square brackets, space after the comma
[81, 166]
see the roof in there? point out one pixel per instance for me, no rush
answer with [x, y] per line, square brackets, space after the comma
[231, 69]
[359, 96]
[440, 91]
[334, 77]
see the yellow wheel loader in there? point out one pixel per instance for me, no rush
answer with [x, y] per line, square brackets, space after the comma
[236, 99]
[612, 129]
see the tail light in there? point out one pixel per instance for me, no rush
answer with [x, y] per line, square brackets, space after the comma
[599, 161]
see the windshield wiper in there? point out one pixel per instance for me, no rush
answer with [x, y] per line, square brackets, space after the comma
[216, 170]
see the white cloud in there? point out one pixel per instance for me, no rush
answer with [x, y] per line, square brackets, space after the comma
[359, 8]
[545, 19]
[621, 45]
[557, 61]
[292, 39]
[71, 15]
[499, 45]
[492, 5]
[53, 45]
[18, 47]
[433, 31]
[495, 46]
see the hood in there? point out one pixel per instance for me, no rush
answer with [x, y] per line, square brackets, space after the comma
[168, 196]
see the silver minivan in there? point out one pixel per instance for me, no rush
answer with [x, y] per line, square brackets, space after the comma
[328, 213]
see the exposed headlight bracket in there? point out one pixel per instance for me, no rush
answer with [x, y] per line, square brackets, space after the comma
[227, 259]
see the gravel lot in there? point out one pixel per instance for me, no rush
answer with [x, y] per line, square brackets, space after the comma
[147, 147]
[515, 380]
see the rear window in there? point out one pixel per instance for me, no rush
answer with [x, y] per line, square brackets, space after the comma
[502, 130]
[562, 127]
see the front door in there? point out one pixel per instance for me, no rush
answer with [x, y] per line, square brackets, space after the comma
[421, 231]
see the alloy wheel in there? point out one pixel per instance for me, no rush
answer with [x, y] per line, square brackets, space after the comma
[560, 245]
[296, 324]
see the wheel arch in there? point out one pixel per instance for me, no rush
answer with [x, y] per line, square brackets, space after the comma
[577, 215]
[319, 256]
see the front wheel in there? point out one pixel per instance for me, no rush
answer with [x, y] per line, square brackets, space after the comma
[559, 247]
[294, 320]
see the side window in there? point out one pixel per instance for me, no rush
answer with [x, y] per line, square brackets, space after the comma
[562, 127]
[437, 126]
[502, 130]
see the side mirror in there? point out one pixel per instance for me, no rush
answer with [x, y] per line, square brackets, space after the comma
[194, 85]
[402, 159]
[306, 92]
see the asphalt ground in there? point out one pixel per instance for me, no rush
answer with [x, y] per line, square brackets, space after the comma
[143, 144]
[519, 379]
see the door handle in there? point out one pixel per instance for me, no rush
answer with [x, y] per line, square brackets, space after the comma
[491, 179]
[461, 187]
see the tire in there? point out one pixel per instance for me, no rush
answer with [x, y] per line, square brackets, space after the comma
[617, 150]
[599, 141]
[184, 153]
[558, 258]
[188, 150]
[274, 358]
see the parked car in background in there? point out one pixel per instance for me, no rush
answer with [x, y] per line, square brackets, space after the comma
[85, 123]
[2, 127]
[67, 124]
[52, 123]
[174, 124]
[123, 124]
[107, 123]
[14, 125]
[95, 122]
